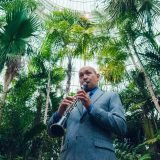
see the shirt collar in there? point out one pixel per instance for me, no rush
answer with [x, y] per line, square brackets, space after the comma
[93, 90]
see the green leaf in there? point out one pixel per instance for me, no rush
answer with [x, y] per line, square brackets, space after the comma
[146, 157]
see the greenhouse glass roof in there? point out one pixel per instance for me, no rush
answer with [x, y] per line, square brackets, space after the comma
[84, 6]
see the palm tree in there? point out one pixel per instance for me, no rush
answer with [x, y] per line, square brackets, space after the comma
[20, 25]
[133, 20]
[125, 14]
[65, 28]
[111, 60]
[73, 37]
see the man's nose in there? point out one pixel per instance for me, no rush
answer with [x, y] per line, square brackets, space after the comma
[85, 77]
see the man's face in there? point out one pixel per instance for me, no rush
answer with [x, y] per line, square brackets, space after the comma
[88, 75]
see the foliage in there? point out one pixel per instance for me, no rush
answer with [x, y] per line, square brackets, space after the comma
[124, 32]
[125, 151]
[20, 25]
[72, 31]
[22, 101]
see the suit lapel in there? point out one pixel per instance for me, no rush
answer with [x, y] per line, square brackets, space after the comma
[80, 107]
[96, 96]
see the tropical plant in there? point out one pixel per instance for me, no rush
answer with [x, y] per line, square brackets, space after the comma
[26, 100]
[20, 25]
[129, 19]
[71, 35]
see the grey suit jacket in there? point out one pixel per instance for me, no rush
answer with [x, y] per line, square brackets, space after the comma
[88, 135]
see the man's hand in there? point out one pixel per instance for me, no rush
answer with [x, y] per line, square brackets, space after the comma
[83, 96]
[64, 104]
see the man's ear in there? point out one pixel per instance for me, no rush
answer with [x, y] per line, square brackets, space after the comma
[98, 76]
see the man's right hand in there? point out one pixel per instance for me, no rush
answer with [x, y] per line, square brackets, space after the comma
[64, 104]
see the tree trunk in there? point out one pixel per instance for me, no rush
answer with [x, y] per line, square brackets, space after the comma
[69, 74]
[132, 58]
[148, 82]
[38, 115]
[149, 133]
[11, 71]
[47, 98]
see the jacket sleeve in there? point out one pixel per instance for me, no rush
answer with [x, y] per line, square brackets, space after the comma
[54, 119]
[112, 120]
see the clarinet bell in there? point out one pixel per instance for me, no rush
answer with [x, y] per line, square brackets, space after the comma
[58, 129]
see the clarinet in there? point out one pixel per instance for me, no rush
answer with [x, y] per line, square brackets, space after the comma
[58, 129]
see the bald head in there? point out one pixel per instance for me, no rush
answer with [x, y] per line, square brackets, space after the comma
[88, 74]
[88, 67]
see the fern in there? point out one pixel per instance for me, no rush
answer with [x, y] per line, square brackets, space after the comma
[146, 157]
[125, 151]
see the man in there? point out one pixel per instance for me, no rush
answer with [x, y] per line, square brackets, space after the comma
[92, 122]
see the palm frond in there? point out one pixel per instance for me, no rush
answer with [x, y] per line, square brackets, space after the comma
[9, 5]
[113, 71]
[2, 60]
[119, 9]
[20, 26]
[152, 62]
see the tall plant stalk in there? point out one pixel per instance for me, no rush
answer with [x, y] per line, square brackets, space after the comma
[48, 97]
